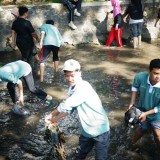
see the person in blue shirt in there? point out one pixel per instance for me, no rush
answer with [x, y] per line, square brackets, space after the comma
[12, 74]
[94, 121]
[50, 41]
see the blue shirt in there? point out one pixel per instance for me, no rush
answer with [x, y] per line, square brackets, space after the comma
[52, 35]
[11, 72]
[92, 115]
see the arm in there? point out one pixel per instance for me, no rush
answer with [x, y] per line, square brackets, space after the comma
[13, 34]
[156, 22]
[144, 115]
[35, 36]
[54, 116]
[41, 39]
[20, 88]
[133, 99]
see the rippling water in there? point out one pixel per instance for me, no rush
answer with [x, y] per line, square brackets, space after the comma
[110, 71]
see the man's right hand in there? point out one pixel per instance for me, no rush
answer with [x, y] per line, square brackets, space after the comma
[130, 106]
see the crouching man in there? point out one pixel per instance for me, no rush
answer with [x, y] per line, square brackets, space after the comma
[148, 86]
[93, 118]
[12, 72]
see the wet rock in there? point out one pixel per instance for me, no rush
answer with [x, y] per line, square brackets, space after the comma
[15, 153]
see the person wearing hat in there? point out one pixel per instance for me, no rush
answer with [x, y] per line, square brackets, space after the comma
[93, 118]
[12, 74]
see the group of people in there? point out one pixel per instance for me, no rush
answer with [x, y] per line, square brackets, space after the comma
[26, 39]
[134, 13]
[81, 95]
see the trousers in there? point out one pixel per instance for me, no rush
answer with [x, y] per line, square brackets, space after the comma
[115, 34]
[30, 85]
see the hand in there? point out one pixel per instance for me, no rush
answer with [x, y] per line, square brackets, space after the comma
[142, 117]
[13, 44]
[20, 101]
[49, 119]
[130, 106]
[107, 13]
[116, 27]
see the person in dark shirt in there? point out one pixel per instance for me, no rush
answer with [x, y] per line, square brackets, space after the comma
[135, 12]
[116, 30]
[23, 35]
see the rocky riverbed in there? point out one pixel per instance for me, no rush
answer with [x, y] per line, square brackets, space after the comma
[110, 71]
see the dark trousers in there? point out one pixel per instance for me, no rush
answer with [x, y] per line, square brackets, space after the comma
[30, 85]
[100, 142]
[71, 5]
[26, 50]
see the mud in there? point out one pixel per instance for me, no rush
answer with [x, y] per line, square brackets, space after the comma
[110, 71]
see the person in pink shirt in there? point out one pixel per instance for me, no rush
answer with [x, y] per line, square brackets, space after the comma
[116, 30]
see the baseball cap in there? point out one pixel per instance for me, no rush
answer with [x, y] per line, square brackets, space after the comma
[15, 12]
[71, 65]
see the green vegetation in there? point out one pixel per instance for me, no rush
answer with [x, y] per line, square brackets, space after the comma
[8, 2]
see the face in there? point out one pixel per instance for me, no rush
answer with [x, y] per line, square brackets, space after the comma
[26, 14]
[154, 76]
[71, 77]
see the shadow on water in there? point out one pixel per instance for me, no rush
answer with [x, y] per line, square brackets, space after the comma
[110, 72]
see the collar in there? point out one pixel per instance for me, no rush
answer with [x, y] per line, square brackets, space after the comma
[157, 85]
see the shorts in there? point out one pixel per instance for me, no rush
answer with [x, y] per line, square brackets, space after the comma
[146, 125]
[45, 53]
[136, 29]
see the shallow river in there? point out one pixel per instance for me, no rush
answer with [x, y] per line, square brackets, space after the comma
[110, 71]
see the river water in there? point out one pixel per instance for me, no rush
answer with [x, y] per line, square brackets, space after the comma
[110, 72]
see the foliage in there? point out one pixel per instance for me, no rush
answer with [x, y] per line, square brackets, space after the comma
[8, 2]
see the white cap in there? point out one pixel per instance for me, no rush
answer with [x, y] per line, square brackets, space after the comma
[71, 65]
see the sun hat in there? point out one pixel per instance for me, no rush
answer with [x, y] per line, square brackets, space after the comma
[15, 12]
[71, 65]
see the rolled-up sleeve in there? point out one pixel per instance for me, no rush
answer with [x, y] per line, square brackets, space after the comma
[76, 99]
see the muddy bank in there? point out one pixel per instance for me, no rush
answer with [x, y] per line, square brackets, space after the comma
[110, 71]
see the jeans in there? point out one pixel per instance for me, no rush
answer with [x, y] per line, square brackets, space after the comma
[136, 29]
[70, 6]
[30, 85]
[100, 142]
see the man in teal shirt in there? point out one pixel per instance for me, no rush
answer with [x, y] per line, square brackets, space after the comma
[148, 86]
[93, 118]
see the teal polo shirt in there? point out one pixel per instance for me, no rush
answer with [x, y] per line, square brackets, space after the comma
[149, 95]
